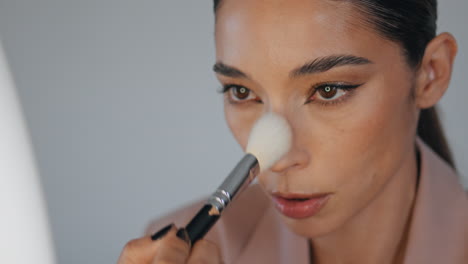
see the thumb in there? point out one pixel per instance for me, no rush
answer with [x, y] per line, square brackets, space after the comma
[174, 248]
[142, 250]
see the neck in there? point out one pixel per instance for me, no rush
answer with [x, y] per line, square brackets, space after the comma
[374, 235]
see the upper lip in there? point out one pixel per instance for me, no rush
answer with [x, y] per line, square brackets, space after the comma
[298, 195]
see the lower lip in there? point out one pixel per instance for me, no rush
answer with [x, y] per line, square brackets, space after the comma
[300, 209]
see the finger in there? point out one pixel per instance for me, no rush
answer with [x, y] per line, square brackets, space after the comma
[206, 252]
[161, 233]
[173, 248]
[141, 250]
[138, 251]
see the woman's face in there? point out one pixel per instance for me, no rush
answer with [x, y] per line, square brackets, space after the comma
[344, 90]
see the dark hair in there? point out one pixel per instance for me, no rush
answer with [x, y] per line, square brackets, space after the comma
[412, 24]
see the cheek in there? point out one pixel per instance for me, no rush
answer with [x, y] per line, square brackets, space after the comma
[361, 149]
[376, 140]
[240, 122]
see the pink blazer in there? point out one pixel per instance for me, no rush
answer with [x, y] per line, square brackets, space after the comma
[251, 231]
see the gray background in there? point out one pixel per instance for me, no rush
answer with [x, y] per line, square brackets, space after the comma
[125, 119]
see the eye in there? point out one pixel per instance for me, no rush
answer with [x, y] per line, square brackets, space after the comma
[330, 93]
[238, 93]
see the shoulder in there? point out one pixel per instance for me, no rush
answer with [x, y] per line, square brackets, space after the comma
[233, 229]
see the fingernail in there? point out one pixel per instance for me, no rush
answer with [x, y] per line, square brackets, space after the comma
[161, 232]
[182, 234]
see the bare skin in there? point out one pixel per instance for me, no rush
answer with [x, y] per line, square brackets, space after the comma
[356, 143]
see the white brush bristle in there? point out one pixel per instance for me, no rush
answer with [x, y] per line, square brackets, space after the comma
[269, 139]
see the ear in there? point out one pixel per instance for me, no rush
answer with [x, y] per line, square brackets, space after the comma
[434, 73]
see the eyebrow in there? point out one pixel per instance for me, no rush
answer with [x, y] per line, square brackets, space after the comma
[229, 71]
[324, 64]
[317, 65]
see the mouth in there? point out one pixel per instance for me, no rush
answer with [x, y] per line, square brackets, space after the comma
[300, 206]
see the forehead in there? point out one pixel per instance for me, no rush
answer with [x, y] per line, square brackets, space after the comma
[255, 33]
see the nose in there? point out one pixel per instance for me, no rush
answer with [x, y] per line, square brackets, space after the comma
[296, 158]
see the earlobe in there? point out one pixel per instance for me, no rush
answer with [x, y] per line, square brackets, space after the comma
[434, 73]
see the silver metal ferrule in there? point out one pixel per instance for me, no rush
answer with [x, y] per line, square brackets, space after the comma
[239, 178]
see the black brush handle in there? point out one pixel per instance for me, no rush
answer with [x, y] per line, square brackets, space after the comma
[201, 223]
[239, 178]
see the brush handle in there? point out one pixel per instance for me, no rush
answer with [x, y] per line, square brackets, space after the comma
[239, 178]
[201, 223]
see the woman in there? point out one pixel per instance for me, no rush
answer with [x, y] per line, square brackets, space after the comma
[358, 82]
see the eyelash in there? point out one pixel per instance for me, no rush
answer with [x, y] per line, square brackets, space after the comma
[227, 88]
[347, 88]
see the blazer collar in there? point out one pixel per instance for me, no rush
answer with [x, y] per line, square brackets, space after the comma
[439, 225]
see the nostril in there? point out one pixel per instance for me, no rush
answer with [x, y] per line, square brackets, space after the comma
[282, 168]
[291, 160]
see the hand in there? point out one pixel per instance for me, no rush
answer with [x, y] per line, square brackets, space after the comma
[169, 246]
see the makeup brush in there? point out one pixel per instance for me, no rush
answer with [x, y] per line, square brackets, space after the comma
[270, 138]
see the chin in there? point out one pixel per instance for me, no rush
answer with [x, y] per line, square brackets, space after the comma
[313, 227]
